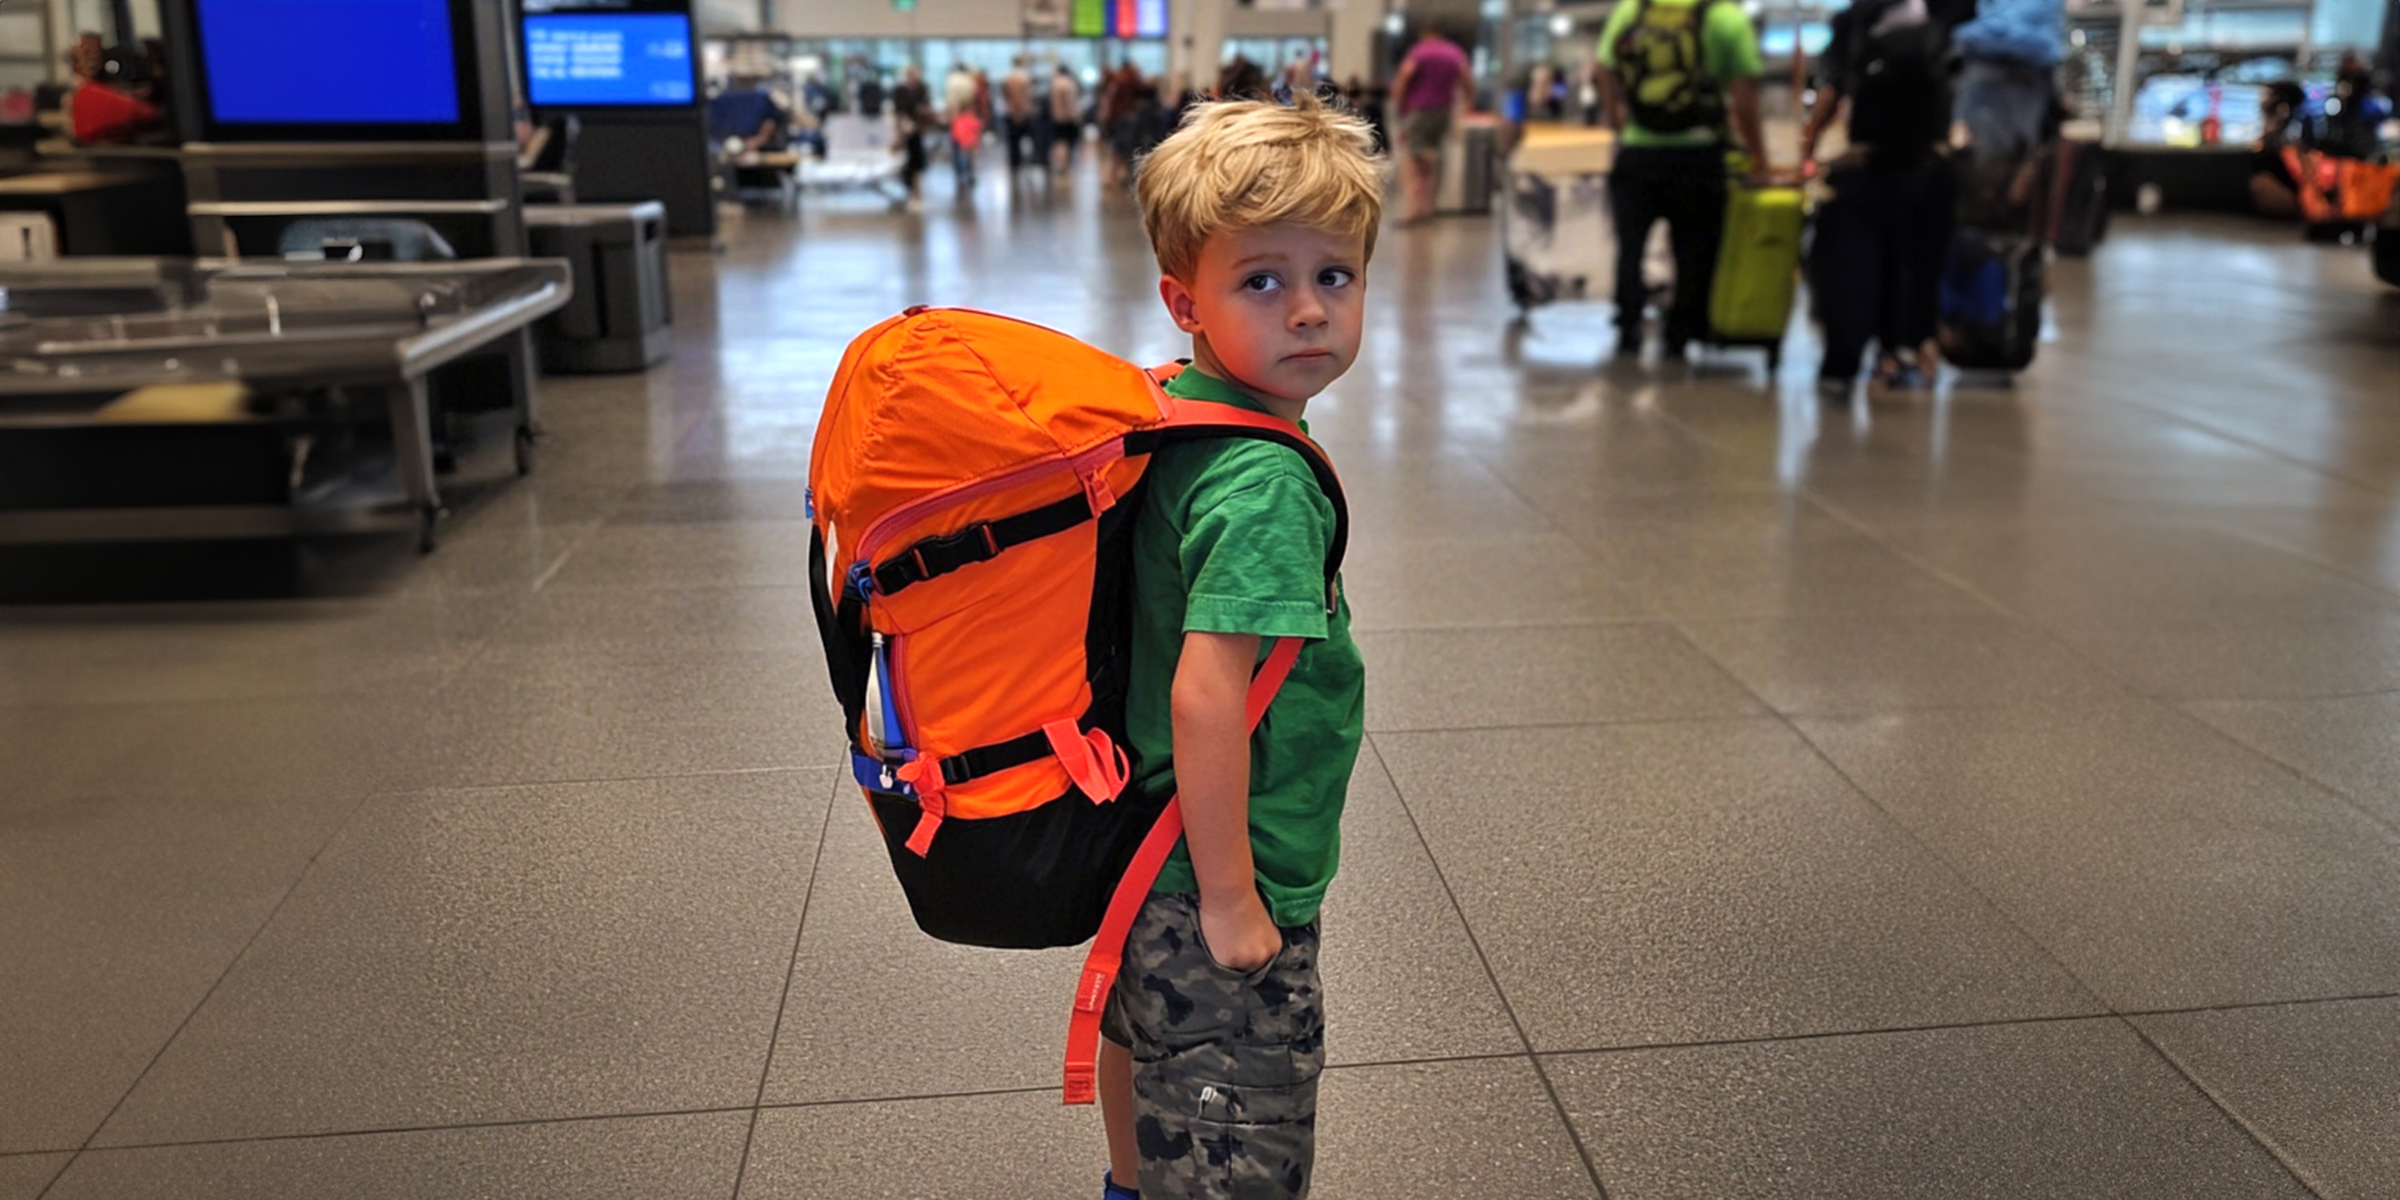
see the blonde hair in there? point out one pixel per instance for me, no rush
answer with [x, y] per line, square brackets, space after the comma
[1242, 164]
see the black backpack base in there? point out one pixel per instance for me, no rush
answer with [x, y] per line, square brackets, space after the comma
[1033, 880]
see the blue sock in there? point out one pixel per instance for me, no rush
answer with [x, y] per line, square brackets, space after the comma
[1110, 1189]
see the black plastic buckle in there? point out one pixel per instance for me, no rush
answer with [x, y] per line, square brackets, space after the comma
[942, 555]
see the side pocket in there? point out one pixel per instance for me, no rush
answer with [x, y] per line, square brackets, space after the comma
[1239, 1141]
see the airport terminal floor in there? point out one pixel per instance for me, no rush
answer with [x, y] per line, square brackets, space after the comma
[1990, 792]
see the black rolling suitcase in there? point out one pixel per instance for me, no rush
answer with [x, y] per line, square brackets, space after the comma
[1991, 313]
[2078, 203]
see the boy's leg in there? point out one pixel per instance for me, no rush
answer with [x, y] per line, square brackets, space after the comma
[1225, 1065]
[1117, 1113]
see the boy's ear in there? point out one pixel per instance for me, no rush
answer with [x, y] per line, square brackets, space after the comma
[1186, 315]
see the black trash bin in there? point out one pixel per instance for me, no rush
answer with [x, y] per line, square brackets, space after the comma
[619, 318]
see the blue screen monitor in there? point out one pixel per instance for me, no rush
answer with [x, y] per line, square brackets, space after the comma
[609, 58]
[330, 62]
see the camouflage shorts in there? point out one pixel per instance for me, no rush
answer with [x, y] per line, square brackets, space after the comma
[1225, 1065]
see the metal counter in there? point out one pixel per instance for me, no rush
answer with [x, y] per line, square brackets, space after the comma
[322, 349]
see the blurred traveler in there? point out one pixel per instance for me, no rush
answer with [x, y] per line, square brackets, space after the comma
[1018, 109]
[111, 99]
[965, 125]
[2274, 190]
[1120, 121]
[815, 98]
[1016, 96]
[869, 91]
[913, 118]
[1242, 80]
[958, 91]
[815, 103]
[1433, 80]
[1678, 72]
[1884, 232]
[2353, 113]
[744, 112]
[1144, 119]
[1066, 117]
[1300, 74]
[1541, 93]
[2007, 96]
[966, 133]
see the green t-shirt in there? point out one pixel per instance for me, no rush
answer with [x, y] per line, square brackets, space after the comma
[1231, 538]
[1728, 49]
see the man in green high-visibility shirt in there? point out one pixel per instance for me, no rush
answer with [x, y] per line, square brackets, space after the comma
[1679, 73]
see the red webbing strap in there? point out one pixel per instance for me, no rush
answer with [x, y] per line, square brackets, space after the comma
[1108, 948]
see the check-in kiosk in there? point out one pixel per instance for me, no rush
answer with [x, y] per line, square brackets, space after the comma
[308, 117]
[628, 70]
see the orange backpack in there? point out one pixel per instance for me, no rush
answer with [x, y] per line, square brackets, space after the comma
[2340, 189]
[972, 492]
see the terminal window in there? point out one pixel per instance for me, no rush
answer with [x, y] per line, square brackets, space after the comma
[329, 62]
[612, 58]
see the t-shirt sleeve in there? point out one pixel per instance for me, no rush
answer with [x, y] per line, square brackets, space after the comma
[1254, 553]
[1732, 43]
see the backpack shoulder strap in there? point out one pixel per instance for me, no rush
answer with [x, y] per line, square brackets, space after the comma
[1107, 956]
[1633, 27]
[1192, 420]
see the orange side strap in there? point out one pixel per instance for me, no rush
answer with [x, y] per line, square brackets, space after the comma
[1108, 948]
[924, 776]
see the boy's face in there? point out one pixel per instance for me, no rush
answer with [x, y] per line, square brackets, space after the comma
[1277, 310]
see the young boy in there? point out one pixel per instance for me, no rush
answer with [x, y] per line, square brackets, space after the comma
[1263, 218]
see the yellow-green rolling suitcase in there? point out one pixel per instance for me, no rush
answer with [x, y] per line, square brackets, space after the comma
[1758, 269]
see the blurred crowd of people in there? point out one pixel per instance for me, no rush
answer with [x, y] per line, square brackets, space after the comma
[1041, 111]
[1042, 114]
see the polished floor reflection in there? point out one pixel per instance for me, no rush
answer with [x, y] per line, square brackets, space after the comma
[1990, 792]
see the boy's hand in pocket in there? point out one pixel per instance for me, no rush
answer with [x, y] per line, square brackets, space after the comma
[1241, 936]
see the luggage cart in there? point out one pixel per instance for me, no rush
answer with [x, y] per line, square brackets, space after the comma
[1556, 239]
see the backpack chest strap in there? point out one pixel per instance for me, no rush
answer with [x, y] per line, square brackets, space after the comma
[934, 557]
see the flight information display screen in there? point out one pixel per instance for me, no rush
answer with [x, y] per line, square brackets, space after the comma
[609, 58]
[329, 62]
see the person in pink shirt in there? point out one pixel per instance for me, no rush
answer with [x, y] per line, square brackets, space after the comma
[1433, 78]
